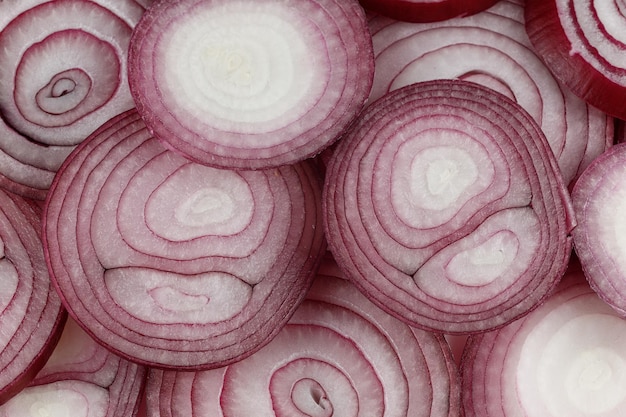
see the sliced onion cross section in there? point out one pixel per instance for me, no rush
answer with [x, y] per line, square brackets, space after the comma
[177, 264]
[444, 204]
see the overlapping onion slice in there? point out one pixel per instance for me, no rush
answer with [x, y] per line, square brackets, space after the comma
[80, 379]
[338, 356]
[493, 49]
[173, 263]
[423, 11]
[566, 358]
[31, 315]
[63, 74]
[250, 83]
[445, 206]
[583, 43]
[599, 198]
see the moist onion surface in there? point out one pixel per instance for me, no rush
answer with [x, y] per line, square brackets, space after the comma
[176, 264]
[445, 206]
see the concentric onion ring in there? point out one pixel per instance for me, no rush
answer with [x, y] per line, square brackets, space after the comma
[250, 83]
[63, 74]
[173, 263]
[444, 204]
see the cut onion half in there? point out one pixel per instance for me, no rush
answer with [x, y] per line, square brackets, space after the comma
[82, 379]
[583, 43]
[599, 197]
[250, 83]
[492, 48]
[444, 204]
[566, 358]
[175, 264]
[63, 74]
[31, 314]
[422, 11]
[339, 355]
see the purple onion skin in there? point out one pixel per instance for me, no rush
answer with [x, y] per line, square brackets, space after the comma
[426, 11]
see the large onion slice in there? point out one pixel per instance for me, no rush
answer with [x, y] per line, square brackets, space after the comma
[599, 198]
[250, 83]
[582, 42]
[426, 10]
[63, 74]
[31, 315]
[80, 379]
[338, 356]
[176, 264]
[566, 358]
[493, 49]
[445, 206]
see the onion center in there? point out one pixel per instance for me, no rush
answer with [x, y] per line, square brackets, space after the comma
[310, 398]
[65, 91]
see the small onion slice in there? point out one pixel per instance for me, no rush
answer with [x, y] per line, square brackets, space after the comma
[82, 379]
[422, 11]
[176, 264]
[492, 48]
[566, 358]
[583, 42]
[63, 74]
[250, 83]
[31, 314]
[599, 198]
[338, 356]
[445, 206]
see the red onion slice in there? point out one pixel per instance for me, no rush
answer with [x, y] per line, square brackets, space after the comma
[63, 74]
[493, 49]
[445, 206]
[598, 198]
[566, 358]
[422, 11]
[583, 43]
[81, 379]
[176, 264]
[249, 83]
[31, 315]
[339, 355]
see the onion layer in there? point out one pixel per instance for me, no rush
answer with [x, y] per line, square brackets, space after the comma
[250, 83]
[338, 356]
[426, 10]
[445, 206]
[63, 74]
[173, 263]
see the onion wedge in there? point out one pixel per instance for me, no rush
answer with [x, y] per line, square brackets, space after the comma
[444, 204]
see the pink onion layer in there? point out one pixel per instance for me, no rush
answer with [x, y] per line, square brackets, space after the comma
[566, 358]
[176, 264]
[339, 355]
[583, 43]
[31, 314]
[82, 379]
[444, 204]
[63, 74]
[422, 11]
[250, 83]
[492, 48]
[599, 198]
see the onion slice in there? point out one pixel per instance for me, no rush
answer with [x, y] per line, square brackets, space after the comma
[339, 355]
[63, 74]
[82, 379]
[583, 43]
[422, 11]
[492, 48]
[175, 264]
[598, 198]
[31, 314]
[566, 358]
[250, 83]
[444, 204]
